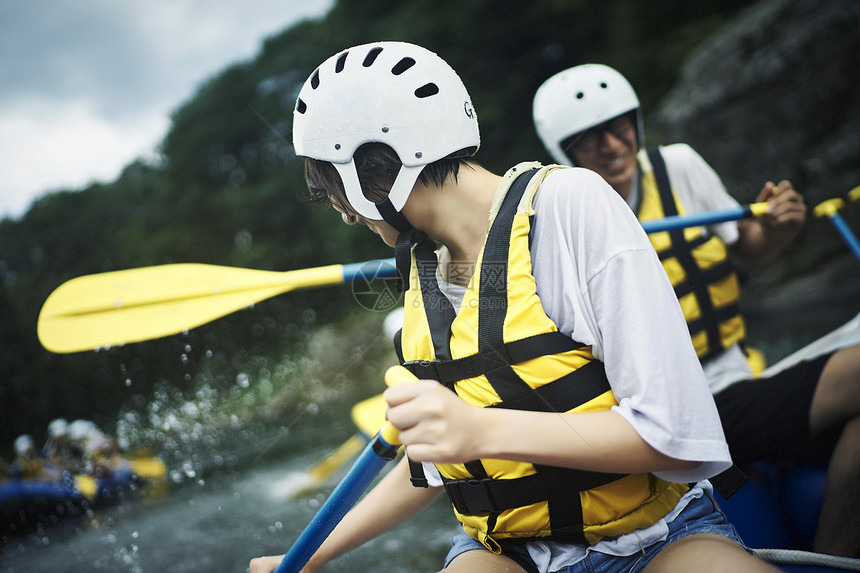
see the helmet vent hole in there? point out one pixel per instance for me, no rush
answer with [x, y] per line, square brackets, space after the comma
[301, 107]
[315, 80]
[580, 95]
[427, 90]
[402, 66]
[341, 62]
[371, 57]
[603, 85]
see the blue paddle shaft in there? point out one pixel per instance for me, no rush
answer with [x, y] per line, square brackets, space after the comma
[696, 219]
[363, 471]
[370, 269]
[843, 229]
[387, 267]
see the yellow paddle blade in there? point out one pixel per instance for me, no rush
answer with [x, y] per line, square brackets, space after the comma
[327, 466]
[148, 468]
[369, 415]
[121, 307]
[87, 485]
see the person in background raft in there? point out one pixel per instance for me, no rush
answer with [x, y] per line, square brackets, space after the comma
[29, 464]
[589, 116]
[99, 449]
[565, 443]
[59, 448]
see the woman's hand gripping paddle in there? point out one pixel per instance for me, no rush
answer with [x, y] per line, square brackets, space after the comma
[381, 449]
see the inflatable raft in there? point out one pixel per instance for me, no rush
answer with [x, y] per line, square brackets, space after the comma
[29, 504]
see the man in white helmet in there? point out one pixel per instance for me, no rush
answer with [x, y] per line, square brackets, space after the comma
[560, 437]
[589, 116]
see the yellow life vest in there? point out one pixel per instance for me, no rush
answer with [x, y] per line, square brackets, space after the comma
[29, 468]
[698, 266]
[503, 351]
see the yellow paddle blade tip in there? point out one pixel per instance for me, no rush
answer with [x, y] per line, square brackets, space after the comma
[854, 194]
[828, 208]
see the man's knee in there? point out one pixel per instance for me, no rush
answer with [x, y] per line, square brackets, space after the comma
[837, 396]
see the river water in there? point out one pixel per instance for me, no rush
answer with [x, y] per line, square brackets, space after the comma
[219, 521]
[234, 490]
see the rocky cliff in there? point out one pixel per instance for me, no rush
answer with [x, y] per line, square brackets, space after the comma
[776, 95]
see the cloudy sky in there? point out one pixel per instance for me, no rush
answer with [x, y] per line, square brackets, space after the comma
[86, 86]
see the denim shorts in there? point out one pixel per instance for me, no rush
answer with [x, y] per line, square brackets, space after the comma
[700, 516]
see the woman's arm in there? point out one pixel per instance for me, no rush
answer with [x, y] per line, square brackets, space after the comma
[393, 501]
[438, 426]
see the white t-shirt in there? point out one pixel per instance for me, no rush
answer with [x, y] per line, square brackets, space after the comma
[601, 282]
[699, 189]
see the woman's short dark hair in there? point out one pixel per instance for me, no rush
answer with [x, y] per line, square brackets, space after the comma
[377, 166]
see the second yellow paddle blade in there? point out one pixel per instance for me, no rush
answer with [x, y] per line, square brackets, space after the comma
[369, 415]
[327, 466]
[148, 468]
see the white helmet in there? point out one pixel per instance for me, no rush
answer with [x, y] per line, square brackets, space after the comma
[80, 430]
[23, 444]
[580, 98]
[395, 93]
[58, 427]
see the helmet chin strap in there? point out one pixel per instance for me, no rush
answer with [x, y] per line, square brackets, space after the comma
[394, 217]
[390, 208]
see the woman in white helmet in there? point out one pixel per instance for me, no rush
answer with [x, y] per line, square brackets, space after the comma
[520, 310]
[589, 116]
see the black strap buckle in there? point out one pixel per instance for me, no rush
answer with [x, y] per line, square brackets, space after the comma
[471, 496]
[423, 369]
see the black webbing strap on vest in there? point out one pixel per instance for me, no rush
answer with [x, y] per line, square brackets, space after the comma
[729, 481]
[697, 279]
[473, 496]
[514, 352]
[566, 393]
[439, 321]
